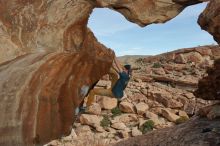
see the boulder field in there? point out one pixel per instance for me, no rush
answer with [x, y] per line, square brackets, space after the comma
[49, 59]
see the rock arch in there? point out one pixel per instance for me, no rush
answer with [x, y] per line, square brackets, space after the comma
[48, 55]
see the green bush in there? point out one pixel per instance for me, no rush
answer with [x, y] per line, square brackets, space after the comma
[147, 126]
[116, 112]
[157, 65]
[105, 122]
[182, 119]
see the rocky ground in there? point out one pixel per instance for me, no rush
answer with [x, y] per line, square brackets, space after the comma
[195, 132]
[159, 95]
[48, 56]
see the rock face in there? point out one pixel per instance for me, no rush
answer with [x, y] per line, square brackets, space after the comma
[39, 93]
[190, 133]
[49, 60]
[209, 20]
[144, 12]
[40, 90]
[28, 26]
[209, 86]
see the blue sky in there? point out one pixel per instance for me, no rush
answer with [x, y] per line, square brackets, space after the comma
[126, 38]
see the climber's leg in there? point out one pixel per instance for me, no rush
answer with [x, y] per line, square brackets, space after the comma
[97, 91]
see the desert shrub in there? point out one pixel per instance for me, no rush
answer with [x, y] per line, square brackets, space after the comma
[157, 65]
[182, 119]
[105, 122]
[147, 126]
[116, 112]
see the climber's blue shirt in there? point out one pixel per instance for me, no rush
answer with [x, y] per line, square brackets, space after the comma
[120, 85]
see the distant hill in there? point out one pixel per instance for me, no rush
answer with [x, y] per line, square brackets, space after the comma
[131, 59]
[135, 60]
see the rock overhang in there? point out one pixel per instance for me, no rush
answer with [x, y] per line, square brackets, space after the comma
[60, 27]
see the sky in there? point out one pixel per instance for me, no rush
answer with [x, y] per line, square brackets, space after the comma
[126, 38]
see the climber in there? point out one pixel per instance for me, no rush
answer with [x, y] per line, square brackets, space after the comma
[119, 80]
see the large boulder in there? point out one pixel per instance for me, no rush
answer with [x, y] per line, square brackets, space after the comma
[49, 60]
[125, 118]
[209, 20]
[166, 113]
[180, 58]
[141, 108]
[92, 120]
[155, 118]
[194, 57]
[107, 102]
[126, 107]
[194, 132]
[209, 86]
[40, 92]
[94, 109]
[166, 99]
[118, 126]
